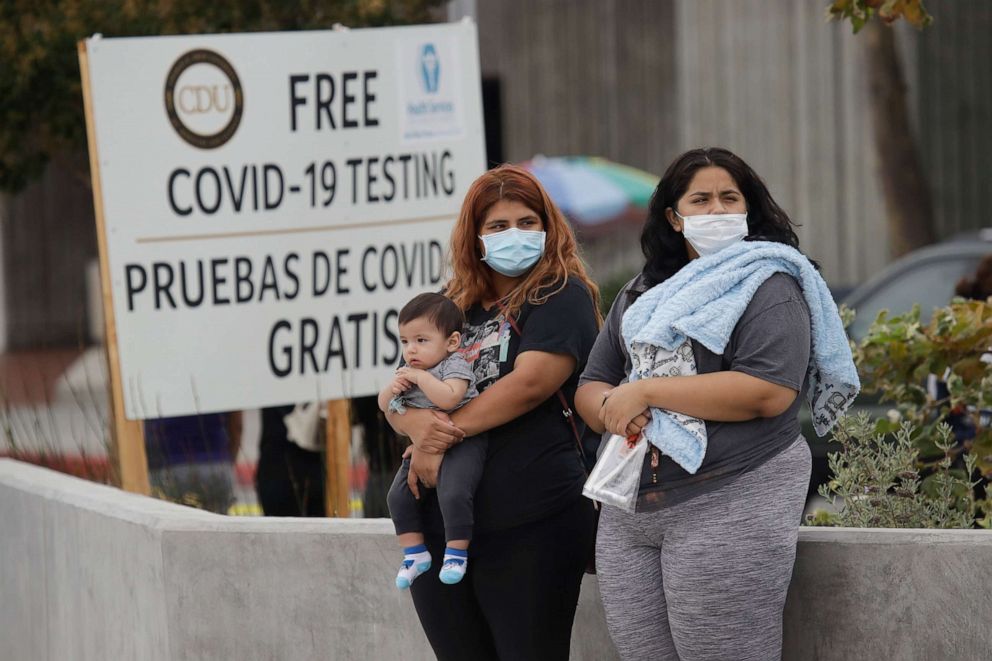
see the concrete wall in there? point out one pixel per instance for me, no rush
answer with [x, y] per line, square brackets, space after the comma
[89, 572]
[890, 594]
[955, 104]
[787, 91]
[590, 77]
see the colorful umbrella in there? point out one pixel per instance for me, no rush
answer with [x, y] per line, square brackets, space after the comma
[594, 192]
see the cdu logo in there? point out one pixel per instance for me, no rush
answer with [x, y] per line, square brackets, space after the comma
[203, 98]
[430, 69]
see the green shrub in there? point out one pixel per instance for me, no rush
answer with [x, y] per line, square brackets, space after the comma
[877, 476]
[908, 470]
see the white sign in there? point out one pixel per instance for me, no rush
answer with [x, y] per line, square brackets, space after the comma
[272, 200]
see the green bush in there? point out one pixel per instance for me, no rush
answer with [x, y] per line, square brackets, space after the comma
[878, 478]
[908, 470]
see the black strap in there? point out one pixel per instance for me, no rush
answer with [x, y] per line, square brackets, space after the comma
[566, 410]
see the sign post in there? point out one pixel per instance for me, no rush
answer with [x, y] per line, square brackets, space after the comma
[127, 436]
[265, 205]
[337, 492]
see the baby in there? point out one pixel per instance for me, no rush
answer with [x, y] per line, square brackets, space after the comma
[435, 376]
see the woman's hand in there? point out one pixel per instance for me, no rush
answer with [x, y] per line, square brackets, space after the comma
[432, 432]
[624, 409]
[637, 425]
[423, 467]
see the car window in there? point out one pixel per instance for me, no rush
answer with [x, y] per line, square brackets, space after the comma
[931, 284]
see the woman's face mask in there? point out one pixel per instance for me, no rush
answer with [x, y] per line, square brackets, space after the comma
[513, 251]
[712, 233]
[711, 191]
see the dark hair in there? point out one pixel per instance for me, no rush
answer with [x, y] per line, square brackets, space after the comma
[979, 286]
[664, 248]
[437, 309]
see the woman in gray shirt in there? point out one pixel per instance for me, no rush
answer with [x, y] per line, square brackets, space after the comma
[701, 570]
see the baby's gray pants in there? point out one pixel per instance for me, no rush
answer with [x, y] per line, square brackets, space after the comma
[457, 480]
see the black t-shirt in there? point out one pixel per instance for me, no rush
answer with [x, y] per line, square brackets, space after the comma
[532, 466]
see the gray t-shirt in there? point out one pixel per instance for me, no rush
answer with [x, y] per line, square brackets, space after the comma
[453, 367]
[771, 342]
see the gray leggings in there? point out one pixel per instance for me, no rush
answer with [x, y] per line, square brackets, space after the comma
[706, 578]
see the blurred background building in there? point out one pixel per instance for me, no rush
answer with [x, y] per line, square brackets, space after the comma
[639, 81]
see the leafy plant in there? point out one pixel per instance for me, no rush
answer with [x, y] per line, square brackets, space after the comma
[878, 478]
[900, 355]
[859, 12]
[916, 467]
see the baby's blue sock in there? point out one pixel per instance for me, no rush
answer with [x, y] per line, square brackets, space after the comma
[455, 565]
[416, 560]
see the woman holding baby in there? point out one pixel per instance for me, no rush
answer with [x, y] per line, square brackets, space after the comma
[531, 315]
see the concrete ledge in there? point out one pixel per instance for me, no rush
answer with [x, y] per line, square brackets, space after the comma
[890, 594]
[90, 572]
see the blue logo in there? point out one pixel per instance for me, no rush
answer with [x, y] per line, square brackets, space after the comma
[430, 69]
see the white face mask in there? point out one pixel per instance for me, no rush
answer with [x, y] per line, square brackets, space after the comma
[710, 233]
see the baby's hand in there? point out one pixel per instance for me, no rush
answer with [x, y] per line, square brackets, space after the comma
[411, 374]
[400, 385]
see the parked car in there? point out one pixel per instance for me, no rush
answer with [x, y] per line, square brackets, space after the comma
[926, 276]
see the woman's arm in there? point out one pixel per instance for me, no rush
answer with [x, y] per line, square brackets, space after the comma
[766, 361]
[727, 396]
[430, 431]
[385, 395]
[535, 377]
[605, 367]
[589, 400]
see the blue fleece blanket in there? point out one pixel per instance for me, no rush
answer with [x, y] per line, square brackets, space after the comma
[704, 302]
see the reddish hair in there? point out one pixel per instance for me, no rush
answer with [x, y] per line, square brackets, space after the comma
[471, 280]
